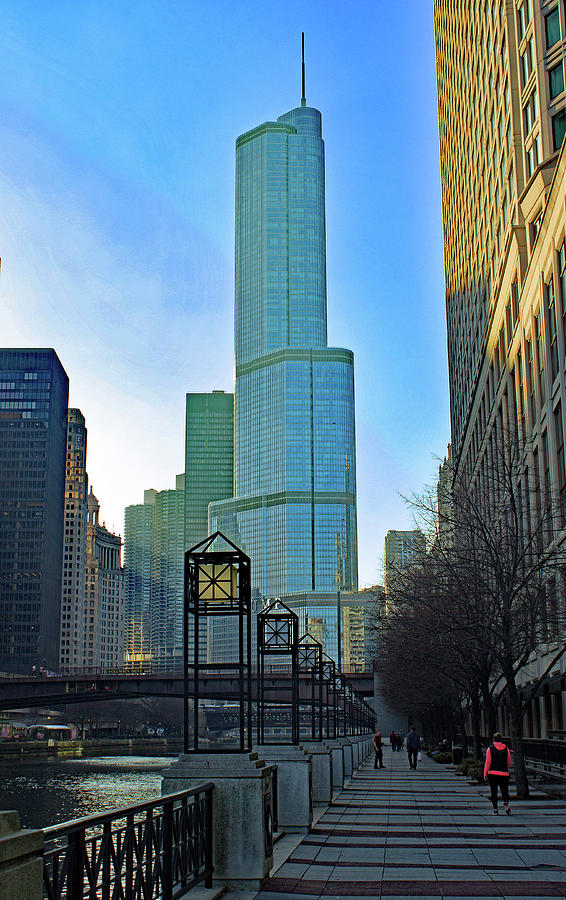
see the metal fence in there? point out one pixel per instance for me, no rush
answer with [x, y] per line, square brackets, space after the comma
[549, 752]
[158, 849]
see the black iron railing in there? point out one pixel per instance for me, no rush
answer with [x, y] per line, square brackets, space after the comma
[549, 752]
[157, 849]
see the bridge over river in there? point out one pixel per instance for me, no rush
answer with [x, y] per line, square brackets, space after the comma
[17, 691]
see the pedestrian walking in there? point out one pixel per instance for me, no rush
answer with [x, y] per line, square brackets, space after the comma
[378, 746]
[393, 741]
[413, 747]
[496, 772]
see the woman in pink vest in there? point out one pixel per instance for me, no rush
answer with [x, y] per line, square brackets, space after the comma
[496, 771]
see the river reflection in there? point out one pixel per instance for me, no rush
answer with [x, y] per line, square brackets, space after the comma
[55, 790]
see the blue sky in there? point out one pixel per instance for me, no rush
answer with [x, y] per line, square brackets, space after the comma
[117, 130]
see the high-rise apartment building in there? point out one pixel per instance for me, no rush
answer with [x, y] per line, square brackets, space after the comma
[138, 562]
[154, 546]
[33, 430]
[294, 496]
[104, 635]
[167, 575]
[209, 459]
[73, 593]
[502, 120]
[402, 549]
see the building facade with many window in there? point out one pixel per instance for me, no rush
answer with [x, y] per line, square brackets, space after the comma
[72, 630]
[502, 120]
[295, 459]
[104, 633]
[34, 392]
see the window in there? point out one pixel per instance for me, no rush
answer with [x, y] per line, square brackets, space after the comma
[552, 328]
[533, 156]
[531, 112]
[559, 432]
[540, 355]
[530, 378]
[514, 304]
[535, 227]
[524, 18]
[562, 267]
[558, 128]
[508, 332]
[527, 61]
[556, 80]
[552, 27]
[546, 464]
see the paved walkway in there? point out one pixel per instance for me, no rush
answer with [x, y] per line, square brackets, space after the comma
[396, 833]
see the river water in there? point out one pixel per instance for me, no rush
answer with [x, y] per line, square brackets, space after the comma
[52, 790]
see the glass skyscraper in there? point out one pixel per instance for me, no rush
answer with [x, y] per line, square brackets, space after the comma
[34, 390]
[294, 504]
[209, 458]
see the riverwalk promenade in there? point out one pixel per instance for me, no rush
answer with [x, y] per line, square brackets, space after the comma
[393, 833]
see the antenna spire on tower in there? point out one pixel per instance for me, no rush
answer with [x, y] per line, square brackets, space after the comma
[303, 94]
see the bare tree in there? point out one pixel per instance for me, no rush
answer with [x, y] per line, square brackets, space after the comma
[498, 559]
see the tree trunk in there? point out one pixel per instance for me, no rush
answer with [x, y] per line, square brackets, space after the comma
[516, 722]
[476, 724]
[490, 710]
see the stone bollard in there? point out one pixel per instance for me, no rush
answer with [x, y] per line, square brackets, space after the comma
[347, 747]
[321, 759]
[242, 812]
[294, 784]
[337, 764]
[356, 750]
[21, 860]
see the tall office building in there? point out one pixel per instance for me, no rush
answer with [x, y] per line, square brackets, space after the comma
[295, 473]
[209, 458]
[502, 119]
[104, 634]
[33, 429]
[72, 628]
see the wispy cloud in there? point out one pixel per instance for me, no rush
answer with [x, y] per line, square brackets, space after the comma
[137, 307]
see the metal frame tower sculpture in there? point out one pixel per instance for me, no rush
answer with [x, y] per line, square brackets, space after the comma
[217, 583]
[277, 635]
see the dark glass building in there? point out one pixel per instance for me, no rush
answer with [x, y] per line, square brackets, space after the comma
[34, 391]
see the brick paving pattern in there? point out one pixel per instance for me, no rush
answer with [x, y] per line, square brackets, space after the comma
[394, 833]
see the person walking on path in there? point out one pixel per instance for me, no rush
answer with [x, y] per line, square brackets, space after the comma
[413, 747]
[496, 772]
[393, 741]
[378, 746]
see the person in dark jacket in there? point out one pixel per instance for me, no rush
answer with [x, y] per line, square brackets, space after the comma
[378, 746]
[496, 772]
[413, 747]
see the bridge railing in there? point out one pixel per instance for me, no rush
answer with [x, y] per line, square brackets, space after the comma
[157, 668]
[158, 849]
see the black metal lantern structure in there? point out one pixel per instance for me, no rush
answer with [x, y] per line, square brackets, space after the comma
[329, 684]
[278, 636]
[310, 671]
[349, 708]
[217, 583]
[340, 694]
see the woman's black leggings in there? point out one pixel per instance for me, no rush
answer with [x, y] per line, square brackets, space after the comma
[501, 781]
